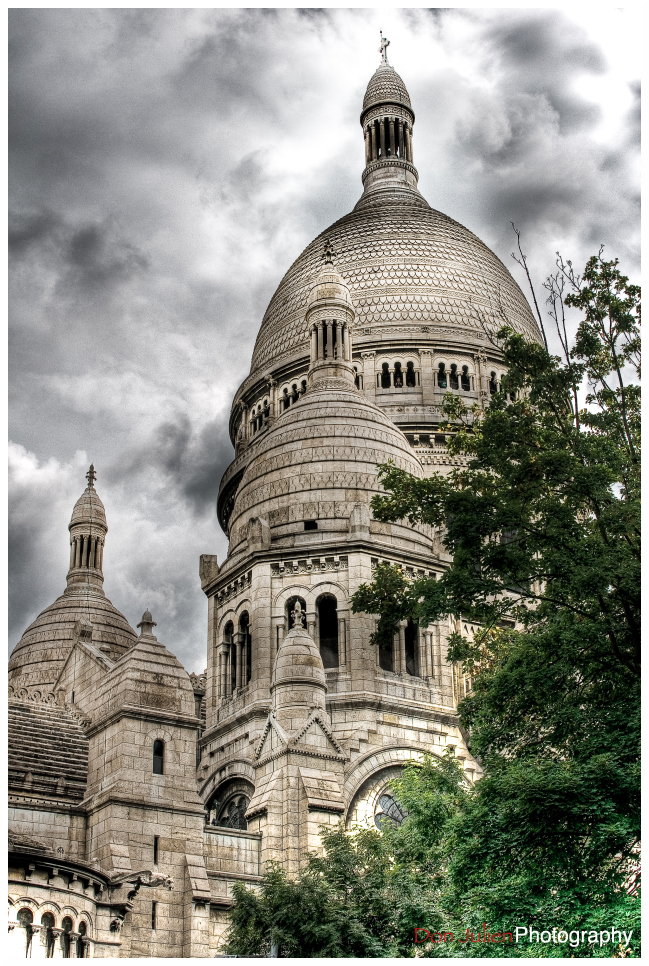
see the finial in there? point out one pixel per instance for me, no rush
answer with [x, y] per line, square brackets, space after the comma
[328, 253]
[297, 615]
[147, 623]
[383, 49]
[91, 476]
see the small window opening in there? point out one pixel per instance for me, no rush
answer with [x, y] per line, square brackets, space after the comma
[47, 926]
[385, 376]
[411, 648]
[440, 439]
[455, 384]
[81, 946]
[441, 376]
[25, 920]
[158, 757]
[310, 524]
[246, 657]
[398, 376]
[156, 843]
[72, 698]
[493, 385]
[154, 914]
[466, 383]
[386, 655]
[410, 374]
[65, 938]
[328, 630]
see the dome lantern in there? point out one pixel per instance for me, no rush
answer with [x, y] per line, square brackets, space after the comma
[387, 120]
[88, 531]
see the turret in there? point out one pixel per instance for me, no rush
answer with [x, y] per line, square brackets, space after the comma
[329, 317]
[88, 531]
[298, 684]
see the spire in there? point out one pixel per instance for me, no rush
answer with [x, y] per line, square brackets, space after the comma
[88, 529]
[147, 624]
[329, 317]
[387, 120]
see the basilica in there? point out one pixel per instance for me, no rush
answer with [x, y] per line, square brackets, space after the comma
[140, 793]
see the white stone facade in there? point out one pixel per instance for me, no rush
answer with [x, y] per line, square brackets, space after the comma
[140, 794]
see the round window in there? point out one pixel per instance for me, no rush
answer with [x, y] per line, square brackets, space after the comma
[388, 811]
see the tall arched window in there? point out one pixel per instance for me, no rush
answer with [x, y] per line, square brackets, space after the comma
[453, 379]
[386, 655]
[246, 650]
[328, 630]
[385, 376]
[65, 938]
[466, 382]
[47, 934]
[411, 649]
[441, 376]
[398, 376]
[493, 384]
[81, 946]
[158, 756]
[25, 920]
[410, 375]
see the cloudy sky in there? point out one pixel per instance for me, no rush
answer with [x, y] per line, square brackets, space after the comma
[166, 168]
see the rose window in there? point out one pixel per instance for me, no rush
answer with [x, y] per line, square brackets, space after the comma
[388, 811]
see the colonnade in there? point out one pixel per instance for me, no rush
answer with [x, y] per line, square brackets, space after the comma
[428, 651]
[229, 653]
[388, 137]
[86, 551]
[330, 340]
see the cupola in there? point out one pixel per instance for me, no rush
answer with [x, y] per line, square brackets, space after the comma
[387, 120]
[329, 317]
[88, 531]
[298, 683]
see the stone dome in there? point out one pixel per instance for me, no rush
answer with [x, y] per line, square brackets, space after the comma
[88, 509]
[413, 274]
[298, 661]
[315, 465]
[386, 86]
[39, 654]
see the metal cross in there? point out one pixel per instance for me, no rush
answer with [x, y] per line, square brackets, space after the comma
[383, 49]
[91, 476]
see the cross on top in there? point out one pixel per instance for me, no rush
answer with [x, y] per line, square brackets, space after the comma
[91, 476]
[328, 253]
[383, 49]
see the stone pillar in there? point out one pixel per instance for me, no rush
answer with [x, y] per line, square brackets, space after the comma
[408, 144]
[438, 654]
[373, 137]
[320, 337]
[314, 344]
[421, 653]
[272, 392]
[396, 653]
[329, 348]
[348, 343]
[401, 149]
[311, 623]
[402, 646]
[224, 671]
[391, 371]
[342, 642]
[72, 552]
[368, 147]
[392, 148]
[73, 944]
[382, 136]
[57, 952]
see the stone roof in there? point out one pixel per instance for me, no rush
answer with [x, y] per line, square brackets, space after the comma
[386, 86]
[39, 654]
[407, 267]
[89, 509]
[47, 750]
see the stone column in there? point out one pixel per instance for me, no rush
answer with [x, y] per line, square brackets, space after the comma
[101, 554]
[408, 144]
[401, 149]
[342, 642]
[224, 671]
[320, 340]
[57, 952]
[329, 347]
[272, 392]
[392, 150]
[73, 944]
[402, 646]
[348, 343]
[368, 147]
[72, 552]
[373, 137]
[421, 653]
[314, 344]
[391, 371]
[438, 654]
[382, 136]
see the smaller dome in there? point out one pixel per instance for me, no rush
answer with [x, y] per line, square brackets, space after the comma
[386, 86]
[147, 618]
[88, 509]
[329, 286]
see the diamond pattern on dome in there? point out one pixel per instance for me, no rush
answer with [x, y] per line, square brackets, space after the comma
[402, 264]
[385, 86]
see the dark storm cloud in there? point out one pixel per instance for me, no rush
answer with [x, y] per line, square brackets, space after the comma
[167, 166]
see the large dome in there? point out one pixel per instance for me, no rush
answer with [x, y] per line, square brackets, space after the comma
[412, 272]
[316, 464]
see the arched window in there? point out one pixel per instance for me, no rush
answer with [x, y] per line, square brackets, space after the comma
[25, 920]
[158, 756]
[441, 376]
[65, 938]
[453, 379]
[388, 811]
[81, 946]
[303, 387]
[47, 934]
[328, 630]
[295, 394]
[411, 649]
[410, 375]
[386, 656]
[228, 805]
[493, 384]
[466, 382]
[286, 402]
[385, 376]
[398, 376]
[246, 650]
[290, 604]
